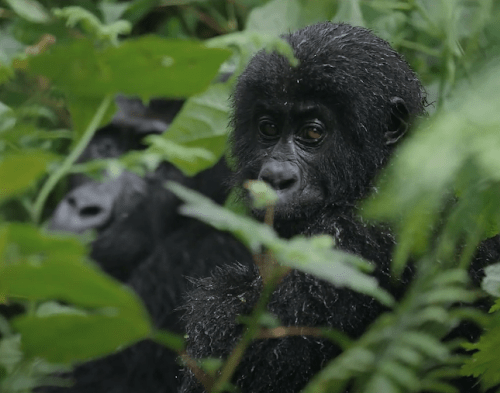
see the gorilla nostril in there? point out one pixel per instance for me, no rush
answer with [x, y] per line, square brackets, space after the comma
[72, 201]
[286, 183]
[89, 211]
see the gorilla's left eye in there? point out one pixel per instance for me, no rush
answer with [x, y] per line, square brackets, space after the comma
[312, 133]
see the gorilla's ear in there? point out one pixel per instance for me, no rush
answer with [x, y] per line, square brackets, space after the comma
[398, 124]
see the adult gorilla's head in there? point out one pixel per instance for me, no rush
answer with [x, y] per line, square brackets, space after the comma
[319, 132]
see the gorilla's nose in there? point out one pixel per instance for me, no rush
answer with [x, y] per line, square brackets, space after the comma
[85, 207]
[283, 176]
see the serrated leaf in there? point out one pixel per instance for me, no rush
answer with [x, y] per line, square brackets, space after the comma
[69, 338]
[484, 363]
[20, 171]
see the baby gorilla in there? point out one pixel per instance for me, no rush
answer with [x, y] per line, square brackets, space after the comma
[317, 133]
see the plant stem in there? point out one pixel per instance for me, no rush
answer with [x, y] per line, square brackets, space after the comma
[70, 159]
[249, 335]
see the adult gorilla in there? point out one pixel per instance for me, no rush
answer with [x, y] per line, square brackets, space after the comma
[132, 215]
[317, 133]
[143, 241]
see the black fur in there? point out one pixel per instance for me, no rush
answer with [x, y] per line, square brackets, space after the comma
[366, 95]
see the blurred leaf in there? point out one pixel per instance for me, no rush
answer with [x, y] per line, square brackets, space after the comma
[170, 340]
[66, 338]
[30, 10]
[262, 194]
[91, 24]
[148, 66]
[83, 110]
[112, 12]
[350, 12]
[249, 42]
[71, 280]
[426, 171]
[32, 240]
[275, 18]
[20, 171]
[196, 140]
[491, 281]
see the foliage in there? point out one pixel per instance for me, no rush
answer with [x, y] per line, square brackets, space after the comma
[61, 63]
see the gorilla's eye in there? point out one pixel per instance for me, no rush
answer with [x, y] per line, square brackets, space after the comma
[268, 129]
[312, 133]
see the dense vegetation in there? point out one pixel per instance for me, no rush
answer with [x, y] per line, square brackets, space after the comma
[62, 62]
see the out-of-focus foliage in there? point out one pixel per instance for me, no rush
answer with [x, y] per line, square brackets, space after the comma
[61, 62]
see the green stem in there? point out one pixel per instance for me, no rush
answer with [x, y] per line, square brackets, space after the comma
[70, 159]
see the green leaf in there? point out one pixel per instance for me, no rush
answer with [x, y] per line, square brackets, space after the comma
[276, 17]
[168, 339]
[72, 281]
[33, 241]
[67, 338]
[313, 255]
[148, 66]
[91, 24]
[20, 171]
[262, 194]
[30, 10]
[491, 281]
[350, 12]
[484, 363]
[196, 140]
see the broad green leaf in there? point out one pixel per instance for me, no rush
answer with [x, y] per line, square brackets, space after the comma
[72, 281]
[20, 171]
[66, 338]
[148, 66]
[33, 241]
[83, 109]
[196, 140]
[189, 160]
[30, 10]
[350, 12]
[276, 17]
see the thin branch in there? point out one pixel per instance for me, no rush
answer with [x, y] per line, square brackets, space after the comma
[70, 159]
[206, 380]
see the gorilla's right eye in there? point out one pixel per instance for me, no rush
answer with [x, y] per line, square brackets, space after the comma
[268, 129]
